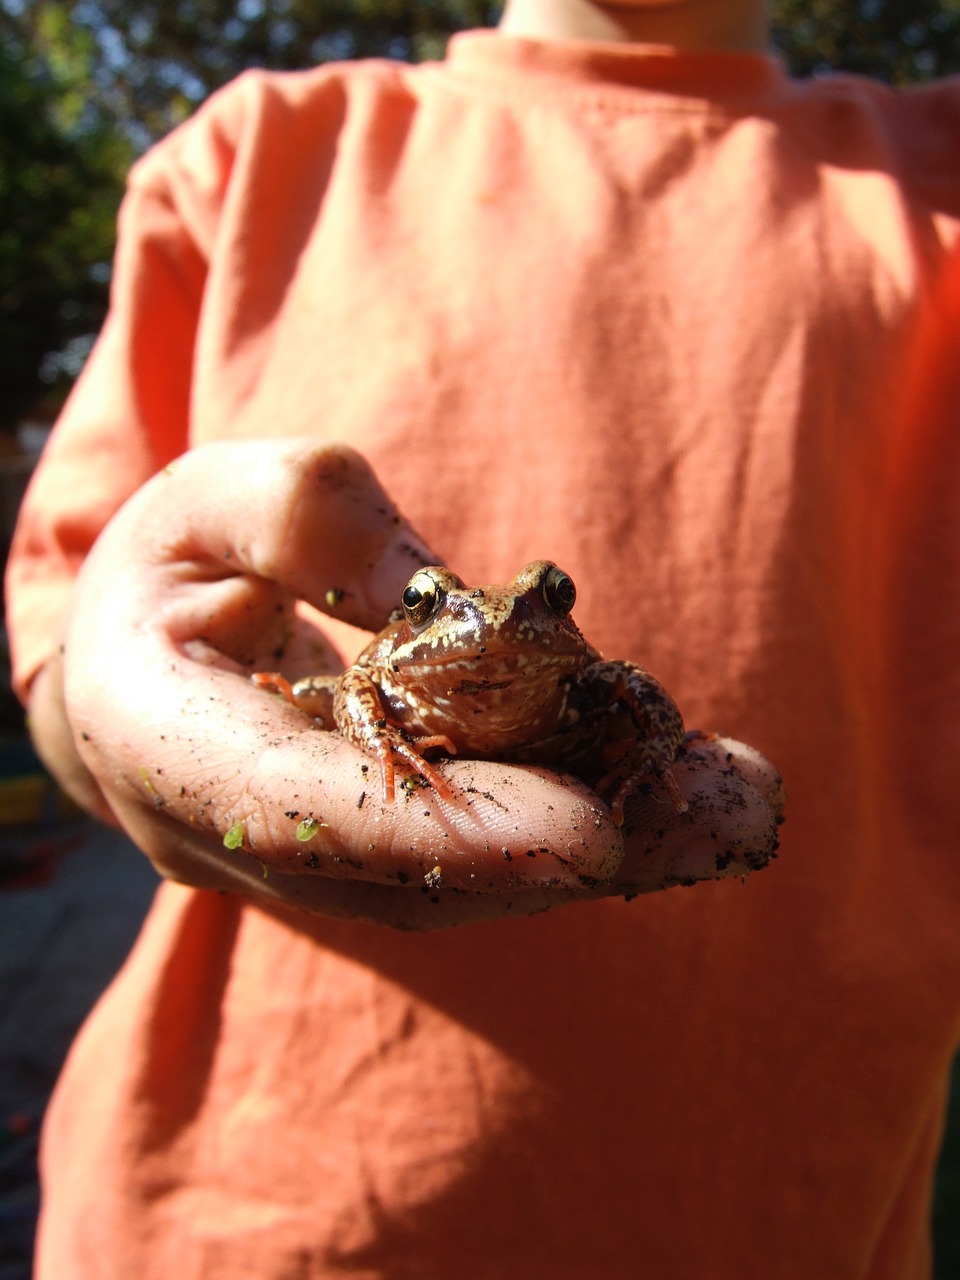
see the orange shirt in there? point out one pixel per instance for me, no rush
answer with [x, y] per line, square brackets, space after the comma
[648, 315]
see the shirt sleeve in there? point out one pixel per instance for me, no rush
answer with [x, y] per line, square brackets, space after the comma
[129, 413]
[921, 515]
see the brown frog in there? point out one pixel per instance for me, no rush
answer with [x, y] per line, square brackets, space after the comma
[501, 673]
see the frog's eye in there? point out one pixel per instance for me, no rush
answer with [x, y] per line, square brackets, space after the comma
[422, 598]
[559, 591]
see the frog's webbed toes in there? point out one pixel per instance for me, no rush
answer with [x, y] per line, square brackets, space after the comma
[395, 746]
[313, 696]
[631, 770]
[274, 682]
[628, 786]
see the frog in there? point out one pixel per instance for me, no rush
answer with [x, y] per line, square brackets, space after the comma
[497, 672]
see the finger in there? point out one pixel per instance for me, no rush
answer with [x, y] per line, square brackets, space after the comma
[731, 826]
[679, 854]
[184, 855]
[250, 770]
[720, 777]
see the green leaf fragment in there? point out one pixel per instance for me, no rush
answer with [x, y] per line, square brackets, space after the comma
[235, 836]
[308, 828]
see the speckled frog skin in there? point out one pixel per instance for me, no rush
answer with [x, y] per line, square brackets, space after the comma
[503, 673]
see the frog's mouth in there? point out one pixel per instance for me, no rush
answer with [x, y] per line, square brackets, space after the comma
[489, 669]
[477, 679]
[469, 688]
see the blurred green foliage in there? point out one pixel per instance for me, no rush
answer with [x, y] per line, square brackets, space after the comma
[87, 84]
[946, 1203]
[899, 41]
[60, 169]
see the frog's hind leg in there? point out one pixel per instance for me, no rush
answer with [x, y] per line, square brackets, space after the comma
[619, 785]
[645, 755]
[312, 695]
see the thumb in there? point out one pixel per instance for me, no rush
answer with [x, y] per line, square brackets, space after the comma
[313, 519]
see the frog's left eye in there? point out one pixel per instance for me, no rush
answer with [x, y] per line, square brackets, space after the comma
[559, 591]
[422, 598]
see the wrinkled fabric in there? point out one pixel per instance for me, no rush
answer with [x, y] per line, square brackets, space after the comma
[655, 317]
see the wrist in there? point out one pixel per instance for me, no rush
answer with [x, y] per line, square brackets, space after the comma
[52, 735]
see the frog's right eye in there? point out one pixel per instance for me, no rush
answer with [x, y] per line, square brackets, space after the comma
[422, 599]
[559, 591]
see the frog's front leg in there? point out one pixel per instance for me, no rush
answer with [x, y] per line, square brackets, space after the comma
[645, 735]
[363, 720]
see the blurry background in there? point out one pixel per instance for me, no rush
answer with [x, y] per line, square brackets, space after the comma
[85, 87]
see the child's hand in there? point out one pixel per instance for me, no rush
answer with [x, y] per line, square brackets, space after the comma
[192, 586]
